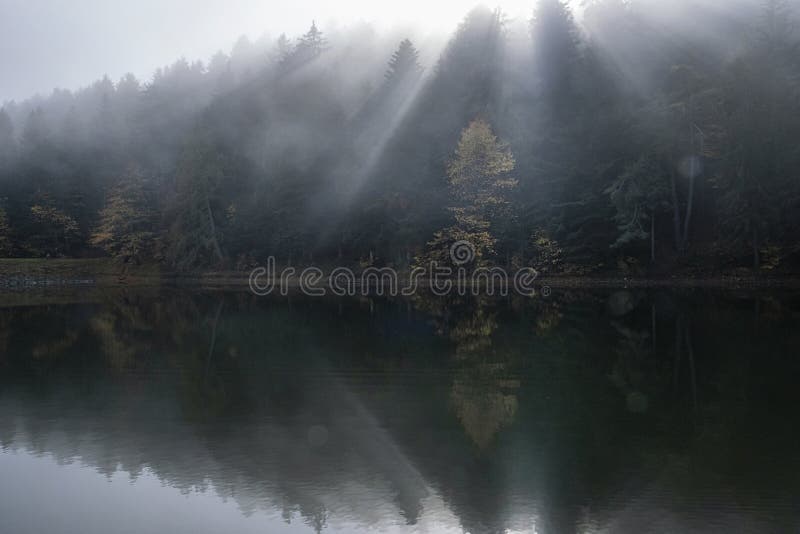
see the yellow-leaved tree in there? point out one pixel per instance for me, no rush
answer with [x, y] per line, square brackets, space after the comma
[128, 228]
[479, 180]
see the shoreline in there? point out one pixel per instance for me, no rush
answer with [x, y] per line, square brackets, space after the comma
[37, 274]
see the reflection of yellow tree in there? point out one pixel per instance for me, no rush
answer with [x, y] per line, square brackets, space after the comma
[50, 348]
[548, 317]
[5, 333]
[473, 334]
[633, 367]
[118, 351]
[482, 395]
[48, 344]
[124, 328]
[484, 405]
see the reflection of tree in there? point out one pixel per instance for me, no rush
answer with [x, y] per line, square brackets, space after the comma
[5, 333]
[548, 318]
[125, 327]
[484, 406]
[56, 335]
[405, 410]
[119, 352]
[481, 394]
[472, 333]
[633, 366]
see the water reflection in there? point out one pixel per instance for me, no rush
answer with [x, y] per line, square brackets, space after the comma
[585, 412]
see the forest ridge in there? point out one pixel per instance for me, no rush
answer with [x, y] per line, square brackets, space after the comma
[645, 136]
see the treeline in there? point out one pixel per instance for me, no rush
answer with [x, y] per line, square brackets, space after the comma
[644, 136]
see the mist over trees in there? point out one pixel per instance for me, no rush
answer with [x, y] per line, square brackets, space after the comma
[638, 135]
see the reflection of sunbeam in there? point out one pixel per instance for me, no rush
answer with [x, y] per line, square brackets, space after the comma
[375, 442]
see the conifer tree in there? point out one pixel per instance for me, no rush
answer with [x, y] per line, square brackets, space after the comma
[404, 64]
[639, 195]
[195, 234]
[283, 48]
[556, 47]
[8, 144]
[36, 132]
[5, 235]
[308, 48]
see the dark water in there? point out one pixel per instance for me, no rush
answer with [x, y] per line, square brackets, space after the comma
[584, 412]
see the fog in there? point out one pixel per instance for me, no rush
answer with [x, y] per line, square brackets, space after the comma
[631, 133]
[52, 43]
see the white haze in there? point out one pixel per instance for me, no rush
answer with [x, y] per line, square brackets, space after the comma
[68, 44]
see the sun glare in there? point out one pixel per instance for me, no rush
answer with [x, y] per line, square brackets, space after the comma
[423, 14]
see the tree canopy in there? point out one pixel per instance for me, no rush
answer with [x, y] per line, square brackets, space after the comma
[664, 149]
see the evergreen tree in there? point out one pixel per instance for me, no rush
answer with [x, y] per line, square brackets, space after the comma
[404, 64]
[282, 50]
[556, 48]
[36, 132]
[72, 131]
[195, 234]
[758, 180]
[5, 234]
[639, 195]
[308, 48]
[465, 84]
[313, 43]
[8, 143]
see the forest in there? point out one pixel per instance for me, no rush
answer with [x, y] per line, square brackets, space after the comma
[639, 137]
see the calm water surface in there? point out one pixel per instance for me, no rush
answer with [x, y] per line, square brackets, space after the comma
[583, 412]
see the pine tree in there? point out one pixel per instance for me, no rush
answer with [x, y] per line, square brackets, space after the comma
[758, 183]
[35, 133]
[129, 221]
[195, 234]
[639, 195]
[313, 42]
[309, 47]
[8, 144]
[404, 64]
[282, 50]
[5, 235]
[556, 47]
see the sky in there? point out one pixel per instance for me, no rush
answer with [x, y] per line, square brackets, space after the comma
[46, 44]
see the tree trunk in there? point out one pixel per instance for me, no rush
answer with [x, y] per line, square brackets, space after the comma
[756, 252]
[692, 368]
[652, 238]
[678, 352]
[653, 322]
[214, 241]
[212, 345]
[676, 213]
[689, 205]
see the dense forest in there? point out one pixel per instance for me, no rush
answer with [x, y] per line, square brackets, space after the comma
[640, 136]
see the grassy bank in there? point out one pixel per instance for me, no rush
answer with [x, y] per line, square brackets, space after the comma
[38, 272]
[49, 274]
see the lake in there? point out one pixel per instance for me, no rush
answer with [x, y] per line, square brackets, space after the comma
[586, 411]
